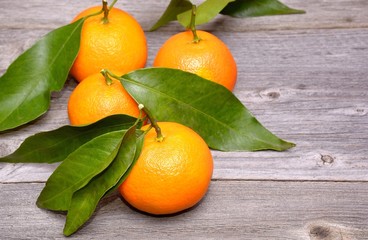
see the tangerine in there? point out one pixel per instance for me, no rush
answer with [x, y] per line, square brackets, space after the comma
[170, 175]
[94, 98]
[209, 58]
[117, 43]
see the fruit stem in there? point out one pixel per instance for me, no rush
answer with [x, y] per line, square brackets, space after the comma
[112, 4]
[159, 137]
[192, 25]
[105, 10]
[105, 73]
[111, 74]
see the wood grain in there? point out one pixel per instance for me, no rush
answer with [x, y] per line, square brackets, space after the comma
[325, 14]
[231, 210]
[309, 87]
[304, 77]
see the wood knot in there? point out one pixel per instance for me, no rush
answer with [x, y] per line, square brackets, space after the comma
[327, 159]
[352, 111]
[349, 19]
[361, 111]
[273, 95]
[320, 232]
[270, 94]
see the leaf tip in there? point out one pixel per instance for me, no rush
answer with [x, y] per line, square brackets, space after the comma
[154, 28]
[286, 145]
[67, 232]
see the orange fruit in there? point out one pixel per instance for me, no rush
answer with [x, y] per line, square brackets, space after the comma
[209, 58]
[118, 45]
[169, 176]
[93, 99]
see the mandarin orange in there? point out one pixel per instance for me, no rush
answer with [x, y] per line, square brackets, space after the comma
[170, 175]
[94, 99]
[118, 44]
[209, 58]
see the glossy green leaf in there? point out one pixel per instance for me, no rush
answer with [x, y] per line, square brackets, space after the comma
[206, 11]
[26, 85]
[139, 145]
[55, 146]
[78, 169]
[209, 108]
[173, 9]
[255, 8]
[85, 200]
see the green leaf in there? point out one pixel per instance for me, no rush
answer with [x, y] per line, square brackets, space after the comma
[55, 146]
[139, 145]
[208, 10]
[255, 8]
[208, 108]
[78, 169]
[173, 9]
[26, 85]
[85, 200]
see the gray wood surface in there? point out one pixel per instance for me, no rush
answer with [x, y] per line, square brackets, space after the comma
[230, 210]
[305, 77]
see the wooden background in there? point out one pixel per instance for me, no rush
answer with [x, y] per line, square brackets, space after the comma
[305, 78]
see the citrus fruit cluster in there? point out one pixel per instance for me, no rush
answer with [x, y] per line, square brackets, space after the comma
[175, 167]
[112, 40]
[115, 142]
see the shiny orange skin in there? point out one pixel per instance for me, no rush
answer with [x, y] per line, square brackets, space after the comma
[169, 176]
[93, 99]
[210, 58]
[119, 45]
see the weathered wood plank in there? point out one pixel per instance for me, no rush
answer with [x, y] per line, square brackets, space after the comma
[320, 14]
[306, 80]
[309, 87]
[230, 210]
